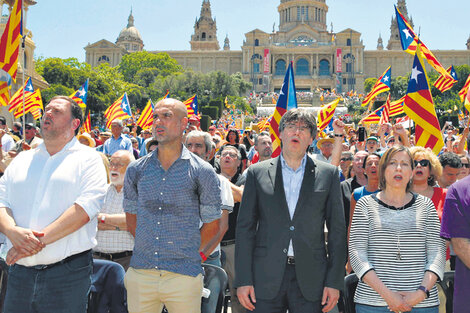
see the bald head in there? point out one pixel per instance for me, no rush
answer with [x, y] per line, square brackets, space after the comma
[176, 106]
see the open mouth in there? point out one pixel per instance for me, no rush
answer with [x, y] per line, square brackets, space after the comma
[419, 172]
[115, 175]
[398, 177]
[295, 140]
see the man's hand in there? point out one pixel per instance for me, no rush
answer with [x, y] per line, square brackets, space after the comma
[25, 240]
[2, 132]
[329, 299]
[246, 296]
[25, 146]
[399, 130]
[338, 127]
[14, 255]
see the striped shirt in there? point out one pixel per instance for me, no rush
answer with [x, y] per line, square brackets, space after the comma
[379, 231]
[169, 205]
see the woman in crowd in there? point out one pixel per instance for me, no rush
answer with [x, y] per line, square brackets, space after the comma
[427, 170]
[394, 245]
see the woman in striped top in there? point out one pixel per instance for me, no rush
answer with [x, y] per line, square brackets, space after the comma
[394, 245]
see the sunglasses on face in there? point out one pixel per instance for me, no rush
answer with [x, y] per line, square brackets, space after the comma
[28, 127]
[423, 162]
[346, 159]
[467, 165]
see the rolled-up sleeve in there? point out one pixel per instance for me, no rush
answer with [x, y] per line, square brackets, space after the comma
[210, 202]
[358, 240]
[130, 190]
[92, 185]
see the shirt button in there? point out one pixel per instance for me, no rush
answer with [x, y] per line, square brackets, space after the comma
[156, 252]
[161, 193]
[159, 208]
[157, 238]
[158, 223]
[164, 179]
[285, 250]
[292, 228]
[156, 267]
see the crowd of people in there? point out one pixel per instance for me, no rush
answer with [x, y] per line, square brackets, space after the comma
[134, 213]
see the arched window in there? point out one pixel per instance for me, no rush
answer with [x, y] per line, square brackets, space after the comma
[302, 67]
[103, 58]
[256, 42]
[203, 36]
[280, 67]
[348, 42]
[324, 68]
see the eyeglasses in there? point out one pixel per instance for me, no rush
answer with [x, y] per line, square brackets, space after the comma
[28, 127]
[294, 127]
[467, 165]
[346, 159]
[232, 155]
[117, 165]
[423, 162]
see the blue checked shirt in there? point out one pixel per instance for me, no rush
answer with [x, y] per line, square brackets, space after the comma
[112, 145]
[169, 205]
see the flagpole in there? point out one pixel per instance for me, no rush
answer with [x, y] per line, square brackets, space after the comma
[23, 69]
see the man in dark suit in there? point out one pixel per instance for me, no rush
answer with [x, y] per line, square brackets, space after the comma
[281, 259]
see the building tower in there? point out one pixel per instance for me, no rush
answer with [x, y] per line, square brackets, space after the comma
[129, 38]
[226, 43]
[205, 30]
[295, 12]
[394, 41]
[380, 44]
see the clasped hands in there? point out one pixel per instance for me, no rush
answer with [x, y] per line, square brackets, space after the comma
[26, 242]
[404, 301]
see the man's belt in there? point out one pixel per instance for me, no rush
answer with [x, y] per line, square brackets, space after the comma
[113, 256]
[227, 242]
[67, 259]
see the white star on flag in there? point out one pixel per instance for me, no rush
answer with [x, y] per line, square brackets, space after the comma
[407, 33]
[281, 93]
[385, 79]
[81, 92]
[415, 73]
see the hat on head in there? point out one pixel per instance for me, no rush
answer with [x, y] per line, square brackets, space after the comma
[194, 118]
[30, 125]
[212, 127]
[106, 134]
[326, 139]
[372, 138]
[91, 141]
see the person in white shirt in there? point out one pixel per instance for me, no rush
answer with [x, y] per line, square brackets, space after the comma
[49, 199]
[7, 141]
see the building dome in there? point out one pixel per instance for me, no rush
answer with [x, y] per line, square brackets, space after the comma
[129, 37]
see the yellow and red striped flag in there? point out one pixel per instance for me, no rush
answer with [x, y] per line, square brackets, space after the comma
[146, 117]
[326, 113]
[464, 90]
[396, 107]
[17, 99]
[80, 95]
[191, 105]
[10, 41]
[120, 109]
[467, 100]
[445, 83]
[4, 94]
[419, 107]
[374, 117]
[381, 85]
[33, 102]
[86, 125]
[287, 100]
[385, 118]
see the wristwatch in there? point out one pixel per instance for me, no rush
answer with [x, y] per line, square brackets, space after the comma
[425, 290]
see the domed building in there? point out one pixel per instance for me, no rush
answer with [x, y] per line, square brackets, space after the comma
[104, 51]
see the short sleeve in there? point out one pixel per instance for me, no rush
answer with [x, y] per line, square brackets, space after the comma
[130, 191]
[209, 194]
[455, 217]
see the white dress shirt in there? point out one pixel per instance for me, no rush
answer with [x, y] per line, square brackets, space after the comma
[38, 188]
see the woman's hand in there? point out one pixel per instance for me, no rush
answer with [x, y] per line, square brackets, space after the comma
[396, 303]
[413, 297]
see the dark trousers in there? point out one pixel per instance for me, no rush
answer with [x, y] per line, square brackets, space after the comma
[61, 288]
[289, 298]
[108, 283]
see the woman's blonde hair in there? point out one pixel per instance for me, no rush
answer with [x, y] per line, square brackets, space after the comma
[385, 161]
[435, 169]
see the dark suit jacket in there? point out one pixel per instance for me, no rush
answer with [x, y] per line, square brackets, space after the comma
[264, 229]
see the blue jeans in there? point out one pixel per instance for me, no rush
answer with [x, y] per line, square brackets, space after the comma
[361, 308]
[63, 287]
[210, 304]
[108, 283]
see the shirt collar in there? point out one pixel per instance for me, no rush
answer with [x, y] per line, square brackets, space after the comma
[300, 168]
[185, 154]
[72, 145]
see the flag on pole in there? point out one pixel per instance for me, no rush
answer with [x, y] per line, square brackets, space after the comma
[4, 94]
[419, 107]
[10, 41]
[191, 105]
[326, 113]
[287, 100]
[33, 102]
[80, 95]
[396, 107]
[120, 109]
[467, 100]
[167, 95]
[146, 117]
[374, 117]
[17, 99]
[86, 125]
[409, 42]
[444, 83]
[381, 85]
[385, 118]
[464, 90]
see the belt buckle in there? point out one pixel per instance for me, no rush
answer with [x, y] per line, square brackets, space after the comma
[290, 260]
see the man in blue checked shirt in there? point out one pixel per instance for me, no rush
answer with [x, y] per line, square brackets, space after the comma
[166, 194]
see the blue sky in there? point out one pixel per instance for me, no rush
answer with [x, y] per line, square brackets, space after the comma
[63, 28]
